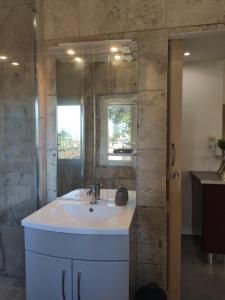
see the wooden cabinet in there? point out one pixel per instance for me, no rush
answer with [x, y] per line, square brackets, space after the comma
[208, 213]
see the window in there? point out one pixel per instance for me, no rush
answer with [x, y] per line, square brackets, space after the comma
[69, 131]
[118, 129]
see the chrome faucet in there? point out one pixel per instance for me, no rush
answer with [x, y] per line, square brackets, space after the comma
[94, 191]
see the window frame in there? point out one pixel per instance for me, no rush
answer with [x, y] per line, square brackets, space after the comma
[119, 99]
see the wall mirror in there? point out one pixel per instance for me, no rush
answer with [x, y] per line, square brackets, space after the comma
[96, 115]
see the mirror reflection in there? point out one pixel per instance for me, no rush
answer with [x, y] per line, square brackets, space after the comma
[96, 85]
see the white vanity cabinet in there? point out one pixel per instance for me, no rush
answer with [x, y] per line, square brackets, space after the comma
[62, 266]
[48, 277]
[96, 280]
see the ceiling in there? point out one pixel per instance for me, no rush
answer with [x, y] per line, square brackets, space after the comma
[207, 46]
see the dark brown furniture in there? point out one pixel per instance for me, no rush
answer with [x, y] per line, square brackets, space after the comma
[208, 210]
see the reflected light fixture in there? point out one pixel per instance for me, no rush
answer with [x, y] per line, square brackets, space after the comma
[70, 52]
[78, 59]
[15, 63]
[35, 22]
[2, 57]
[117, 57]
[187, 53]
[114, 49]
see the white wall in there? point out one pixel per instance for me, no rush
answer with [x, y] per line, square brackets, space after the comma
[201, 118]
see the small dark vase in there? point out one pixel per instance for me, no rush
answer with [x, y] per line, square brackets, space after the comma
[121, 197]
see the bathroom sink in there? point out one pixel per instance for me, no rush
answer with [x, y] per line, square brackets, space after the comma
[86, 213]
[70, 216]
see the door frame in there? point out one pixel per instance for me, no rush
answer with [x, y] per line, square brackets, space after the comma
[174, 168]
[174, 204]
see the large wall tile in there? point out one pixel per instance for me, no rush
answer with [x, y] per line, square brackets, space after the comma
[2, 140]
[152, 58]
[151, 178]
[146, 14]
[120, 16]
[115, 183]
[151, 188]
[151, 235]
[18, 193]
[151, 252]
[192, 12]
[16, 31]
[151, 245]
[194, 29]
[105, 78]
[51, 174]
[5, 3]
[102, 16]
[19, 145]
[150, 221]
[126, 77]
[51, 138]
[68, 75]
[62, 18]
[151, 159]
[115, 172]
[150, 272]
[13, 242]
[19, 83]
[152, 114]
[50, 75]
[1, 83]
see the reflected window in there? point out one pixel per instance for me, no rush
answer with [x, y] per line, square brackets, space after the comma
[118, 130]
[69, 131]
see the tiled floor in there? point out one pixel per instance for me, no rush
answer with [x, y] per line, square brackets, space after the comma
[12, 289]
[201, 281]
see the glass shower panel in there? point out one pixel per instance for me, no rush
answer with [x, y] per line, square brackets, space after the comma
[18, 170]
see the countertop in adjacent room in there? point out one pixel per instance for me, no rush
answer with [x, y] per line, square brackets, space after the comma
[208, 177]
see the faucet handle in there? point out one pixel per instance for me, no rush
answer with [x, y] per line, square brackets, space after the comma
[91, 190]
[98, 185]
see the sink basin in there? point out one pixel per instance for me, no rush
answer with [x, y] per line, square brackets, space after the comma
[86, 213]
[80, 217]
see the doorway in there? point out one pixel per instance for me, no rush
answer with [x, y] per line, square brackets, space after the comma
[196, 122]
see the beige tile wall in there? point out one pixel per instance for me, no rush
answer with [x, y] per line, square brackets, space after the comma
[149, 23]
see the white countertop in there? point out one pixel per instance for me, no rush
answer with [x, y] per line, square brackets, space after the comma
[69, 216]
[208, 177]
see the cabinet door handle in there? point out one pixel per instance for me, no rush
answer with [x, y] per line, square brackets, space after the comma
[63, 285]
[78, 285]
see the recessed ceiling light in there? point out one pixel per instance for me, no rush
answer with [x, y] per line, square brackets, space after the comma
[187, 53]
[114, 49]
[78, 59]
[3, 57]
[70, 52]
[117, 57]
[15, 63]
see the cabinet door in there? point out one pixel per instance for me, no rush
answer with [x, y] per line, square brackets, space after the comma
[100, 280]
[48, 278]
